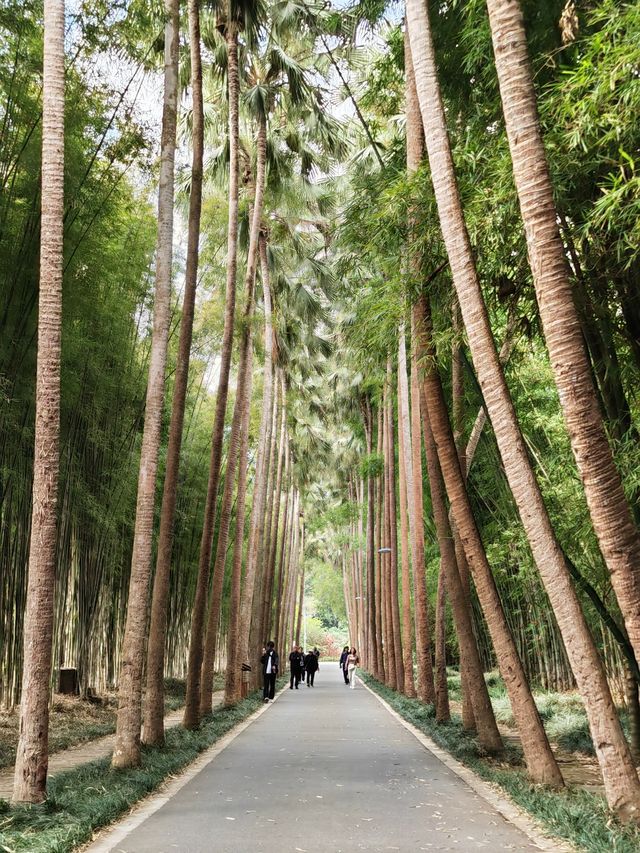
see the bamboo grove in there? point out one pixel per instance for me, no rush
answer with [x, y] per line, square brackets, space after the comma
[384, 318]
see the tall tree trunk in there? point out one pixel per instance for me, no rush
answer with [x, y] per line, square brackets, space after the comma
[380, 539]
[232, 685]
[405, 482]
[457, 414]
[197, 696]
[488, 734]
[415, 155]
[243, 391]
[32, 756]
[154, 699]
[389, 638]
[259, 490]
[372, 650]
[620, 779]
[612, 521]
[279, 564]
[426, 688]
[198, 612]
[301, 594]
[443, 712]
[127, 743]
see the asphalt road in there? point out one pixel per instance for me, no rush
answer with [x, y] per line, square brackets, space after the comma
[324, 769]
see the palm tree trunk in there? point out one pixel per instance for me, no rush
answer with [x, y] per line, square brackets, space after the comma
[443, 712]
[127, 743]
[379, 564]
[206, 544]
[279, 562]
[415, 155]
[405, 481]
[232, 685]
[197, 693]
[257, 508]
[488, 734]
[154, 699]
[391, 675]
[243, 391]
[612, 520]
[372, 646]
[621, 782]
[32, 756]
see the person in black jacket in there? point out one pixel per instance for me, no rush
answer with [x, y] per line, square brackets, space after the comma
[311, 665]
[343, 664]
[296, 667]
[270, 663]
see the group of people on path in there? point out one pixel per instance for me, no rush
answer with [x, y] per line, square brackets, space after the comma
[348, 663]
[301, 665]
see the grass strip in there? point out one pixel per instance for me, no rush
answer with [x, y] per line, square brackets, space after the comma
[573, 814]
[93, 795]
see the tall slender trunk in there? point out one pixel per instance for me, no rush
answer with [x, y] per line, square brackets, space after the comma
[443, 712]
[621, 782]
[301, 594]
[198, 612]
[272, 523]
[232, 684]
[415, 155]
[390, 656]
[457, 415]
[393, 535]
[372, 649]
[257, 513]
[488, 734]
[279, 564]
[612, 520]
[32, 756]
[405, 481]
[243, 390]
[127, 743]
[154, 699]
[379, 560]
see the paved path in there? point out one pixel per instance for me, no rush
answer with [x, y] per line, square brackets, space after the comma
[82, 753]
[324, 769]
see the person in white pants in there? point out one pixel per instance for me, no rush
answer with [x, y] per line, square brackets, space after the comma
[352, 662]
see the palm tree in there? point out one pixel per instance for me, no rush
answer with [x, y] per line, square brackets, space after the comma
[488, 734]
[230, 22]
[612, 520]
[621, 781]
[405, 482]
[127, 744]
[30, 780]
[154, 699]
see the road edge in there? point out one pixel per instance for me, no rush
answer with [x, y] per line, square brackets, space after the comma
[500, 801]
[109, 836]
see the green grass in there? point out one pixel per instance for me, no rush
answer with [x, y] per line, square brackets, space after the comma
[563, 714]
[92, 796]
[574, 815]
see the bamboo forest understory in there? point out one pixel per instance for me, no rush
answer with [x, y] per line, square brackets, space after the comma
[320, 324]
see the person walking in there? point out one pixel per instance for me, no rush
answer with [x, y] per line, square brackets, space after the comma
[270, 663]
[342, 663]
[301, 671]
[311, 665]
[294, 668]
[352, 662]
